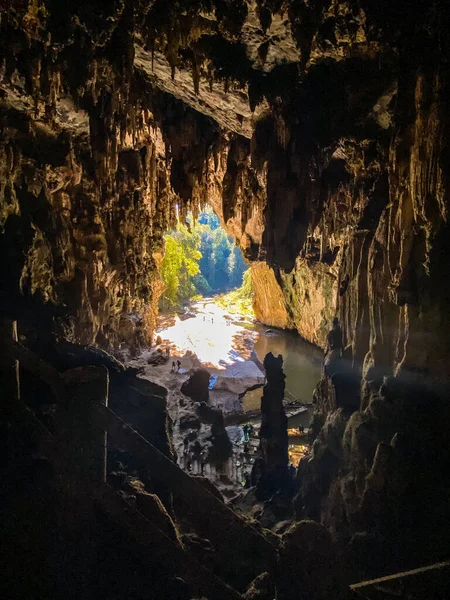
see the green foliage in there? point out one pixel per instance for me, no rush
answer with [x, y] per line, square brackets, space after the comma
[239, 301]
[222, 264]
[179, 266]
[200, 260]
[201, 284]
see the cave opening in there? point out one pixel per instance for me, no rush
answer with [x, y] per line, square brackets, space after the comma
[204, 323]
[202, 260]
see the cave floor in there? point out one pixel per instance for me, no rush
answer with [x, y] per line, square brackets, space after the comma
[208, 336]
[227, 478]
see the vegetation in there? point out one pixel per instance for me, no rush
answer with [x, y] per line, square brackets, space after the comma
[200, 259]
[239, 301]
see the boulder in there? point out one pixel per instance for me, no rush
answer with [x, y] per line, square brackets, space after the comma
[261, 588]
[200, 548]
[197, 386]
[189, 421]
[281, 527]
[208, 485]
[152, 508]
[306, 567]
[157, 358]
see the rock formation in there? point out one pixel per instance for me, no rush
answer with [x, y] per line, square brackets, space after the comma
[94, 164]
[197, 386]
[318, 131]
[270, 471]
[308, 564]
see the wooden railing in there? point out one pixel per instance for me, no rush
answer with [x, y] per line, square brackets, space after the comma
[396, 585]
[80, 443]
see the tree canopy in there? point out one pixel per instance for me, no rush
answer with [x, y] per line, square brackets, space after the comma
[200, 259]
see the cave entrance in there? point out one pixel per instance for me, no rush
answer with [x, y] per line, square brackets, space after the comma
[202, 261]
[206, 320]
[207, 300]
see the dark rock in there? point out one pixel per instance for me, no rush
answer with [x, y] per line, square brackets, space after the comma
[270, 471]
[117, 479]
[307, 566]
[207, 484]
[368, 555]
[208, 414]
[261, 588]
[245, 501]
[196, 387]
[200, 548]
[68, 355]
[281, 527]
[157, 358]
[189, 421]
[336, 189]
[278, 507]
[133, 372]
[152, 507]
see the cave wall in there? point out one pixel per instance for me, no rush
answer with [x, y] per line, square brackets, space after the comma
[340, 184]
[92, 159]
[324, 151]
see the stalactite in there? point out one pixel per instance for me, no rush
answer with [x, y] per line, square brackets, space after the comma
[195, 76]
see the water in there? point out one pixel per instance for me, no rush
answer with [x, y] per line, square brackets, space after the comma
[223, 342]
[302, 364]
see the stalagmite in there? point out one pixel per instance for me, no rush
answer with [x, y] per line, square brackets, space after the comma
[270, 472]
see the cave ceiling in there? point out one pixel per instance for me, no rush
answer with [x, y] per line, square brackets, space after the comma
[231, 60]
[318, 131]
[315, 129]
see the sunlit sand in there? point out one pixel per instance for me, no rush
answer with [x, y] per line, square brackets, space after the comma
[214, 337]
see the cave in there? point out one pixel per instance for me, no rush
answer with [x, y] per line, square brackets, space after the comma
[317, 131]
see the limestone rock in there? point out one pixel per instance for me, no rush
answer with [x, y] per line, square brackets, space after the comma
[206, 483]
[189, 421]
[319, 133]
[152, 507]
[269, 303]
[196, 387]
[307, 563]
[270, 470]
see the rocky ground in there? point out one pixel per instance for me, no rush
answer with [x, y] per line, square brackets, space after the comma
[224, 468]
[209, 440]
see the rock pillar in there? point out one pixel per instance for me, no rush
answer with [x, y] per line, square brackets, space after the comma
[271, 469]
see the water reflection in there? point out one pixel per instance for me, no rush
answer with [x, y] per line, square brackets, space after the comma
[302, 364]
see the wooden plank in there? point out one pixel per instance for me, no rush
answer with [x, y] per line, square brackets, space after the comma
[207, 510]
[419, 571]
[35, 365]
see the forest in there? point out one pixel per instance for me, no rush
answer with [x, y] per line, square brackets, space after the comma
[200, 259]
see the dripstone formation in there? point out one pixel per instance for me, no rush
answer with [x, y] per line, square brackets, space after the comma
[270, 471]
[318, 132]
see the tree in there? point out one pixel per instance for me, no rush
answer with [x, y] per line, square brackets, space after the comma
[237, 267]
[201, 258]
[179, 266]
[170, 271]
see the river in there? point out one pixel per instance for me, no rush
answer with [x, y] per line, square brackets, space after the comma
[222, 340]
